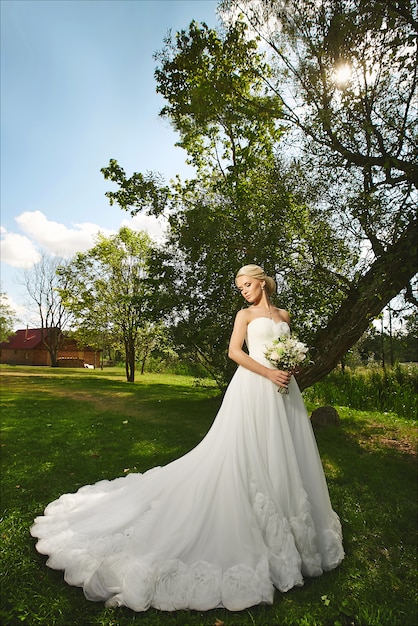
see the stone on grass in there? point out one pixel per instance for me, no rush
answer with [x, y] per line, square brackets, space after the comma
[324, 416]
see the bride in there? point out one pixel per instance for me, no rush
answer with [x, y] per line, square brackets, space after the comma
[243, 513]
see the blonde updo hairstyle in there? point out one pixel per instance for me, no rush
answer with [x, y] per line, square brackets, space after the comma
[255, 271]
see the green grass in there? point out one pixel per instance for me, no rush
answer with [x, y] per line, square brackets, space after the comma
[391, 389]
[65, 428]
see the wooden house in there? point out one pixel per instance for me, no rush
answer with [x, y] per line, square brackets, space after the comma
[27, 347]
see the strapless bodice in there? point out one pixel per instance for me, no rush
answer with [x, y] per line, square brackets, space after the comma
[260, 333]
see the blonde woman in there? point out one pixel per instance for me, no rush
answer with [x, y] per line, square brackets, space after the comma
[244, 513]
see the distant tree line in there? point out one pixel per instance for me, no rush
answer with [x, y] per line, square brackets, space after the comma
[386, 348]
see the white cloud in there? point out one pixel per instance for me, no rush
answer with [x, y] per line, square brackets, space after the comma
[19, 310]
[41, 233]
[18, 250]
[155, 227]
[57, 238]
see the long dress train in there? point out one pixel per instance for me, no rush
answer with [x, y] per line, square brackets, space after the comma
[243, 513]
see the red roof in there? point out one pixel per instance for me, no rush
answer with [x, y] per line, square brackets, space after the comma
[24, 339]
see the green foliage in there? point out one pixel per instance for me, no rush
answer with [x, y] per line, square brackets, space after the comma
[392, 390]
[366, 120]
[7, 318]
[152, 339]
[142, 191]
[106, 290]
[214, 86]
[337, 226]
[63, 429]
[358, 136]
[267, 218]
[383, 348]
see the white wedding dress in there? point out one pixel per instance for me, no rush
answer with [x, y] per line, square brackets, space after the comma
[245, 511]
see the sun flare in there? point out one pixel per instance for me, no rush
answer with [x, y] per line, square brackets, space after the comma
[342, 74]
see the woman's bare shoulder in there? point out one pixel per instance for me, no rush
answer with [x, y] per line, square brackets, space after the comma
[284, 315]
[243, 316]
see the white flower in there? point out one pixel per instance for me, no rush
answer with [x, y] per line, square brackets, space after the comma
[286, 352]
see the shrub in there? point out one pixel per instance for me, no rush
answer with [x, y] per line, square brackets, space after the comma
[391, 390]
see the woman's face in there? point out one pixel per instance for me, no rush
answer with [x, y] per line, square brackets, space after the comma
[250, 288]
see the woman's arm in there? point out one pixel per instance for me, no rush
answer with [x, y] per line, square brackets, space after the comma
[237, 354]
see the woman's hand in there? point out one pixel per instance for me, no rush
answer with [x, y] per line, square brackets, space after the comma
[279, 377]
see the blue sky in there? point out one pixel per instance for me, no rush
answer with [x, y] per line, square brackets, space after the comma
[77, 89]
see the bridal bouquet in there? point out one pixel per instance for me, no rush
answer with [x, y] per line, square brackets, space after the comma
[286, 353]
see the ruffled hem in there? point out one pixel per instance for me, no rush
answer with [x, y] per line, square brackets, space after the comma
[108, 570]
[173, 586]
[293, 544]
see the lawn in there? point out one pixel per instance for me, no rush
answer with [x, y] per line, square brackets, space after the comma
[62, 429]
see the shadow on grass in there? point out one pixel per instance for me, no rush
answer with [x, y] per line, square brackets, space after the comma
[373, 487]
[61, 436]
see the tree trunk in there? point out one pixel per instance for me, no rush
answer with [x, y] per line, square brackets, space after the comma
[144, 359]
[389, 274]
[54, 357]
[52, 343]
[130, 361]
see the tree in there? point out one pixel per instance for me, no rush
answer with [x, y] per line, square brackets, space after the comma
[346, 76]
[362, 132]
[43, 283]
[216, 99]
[228, 215]
[153, 337]
[107, 290]
[338, 228]
[7, 318]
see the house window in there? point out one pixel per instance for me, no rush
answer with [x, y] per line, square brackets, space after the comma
[27, 356]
